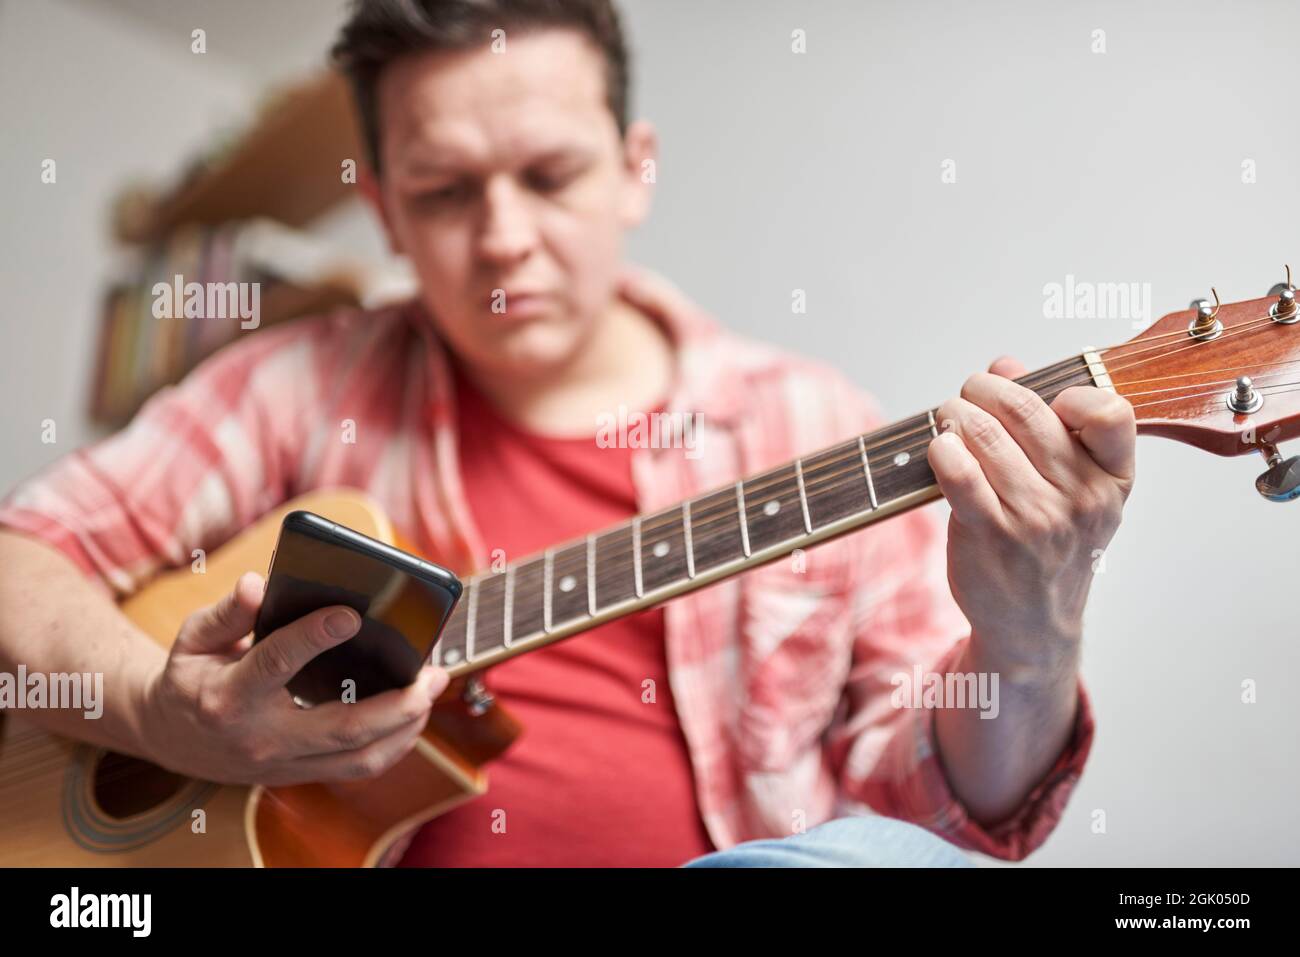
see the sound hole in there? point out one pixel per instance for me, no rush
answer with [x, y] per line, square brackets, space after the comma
[125, 786]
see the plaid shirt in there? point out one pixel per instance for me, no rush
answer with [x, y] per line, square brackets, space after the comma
[782, 677]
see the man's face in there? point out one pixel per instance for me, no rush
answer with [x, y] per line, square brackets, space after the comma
[505, 182]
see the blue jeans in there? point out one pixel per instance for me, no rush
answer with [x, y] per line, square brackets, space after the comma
[866, 841]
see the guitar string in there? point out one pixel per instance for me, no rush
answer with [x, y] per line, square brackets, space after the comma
[1068, 367]
[1197, 395]
[848, 451]
[1144, 343]
[728, 517]
[1241, 327]
[617, 567]
[828, 483]
[823, 482]
[1182, 388]
[1208, 382]
[1256, 326]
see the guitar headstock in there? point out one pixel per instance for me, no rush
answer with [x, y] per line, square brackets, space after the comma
[1222, 377]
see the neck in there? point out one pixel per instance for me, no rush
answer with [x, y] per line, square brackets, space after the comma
[575, 586]
[627, 359]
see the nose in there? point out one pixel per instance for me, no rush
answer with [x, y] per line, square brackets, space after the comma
[509, 231]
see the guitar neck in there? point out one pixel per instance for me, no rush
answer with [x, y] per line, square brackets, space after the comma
[573, 587]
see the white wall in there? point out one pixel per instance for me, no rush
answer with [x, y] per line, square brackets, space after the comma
[821, 172]
[106, 103]
[110, 97]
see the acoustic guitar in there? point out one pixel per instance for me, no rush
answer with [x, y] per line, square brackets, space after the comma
[1222, 378]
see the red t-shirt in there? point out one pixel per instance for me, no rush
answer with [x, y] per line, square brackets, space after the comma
[600, 776]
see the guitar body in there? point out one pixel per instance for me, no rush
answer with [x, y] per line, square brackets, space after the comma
[63, 803]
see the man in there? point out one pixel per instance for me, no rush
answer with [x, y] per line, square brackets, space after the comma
[505, 168]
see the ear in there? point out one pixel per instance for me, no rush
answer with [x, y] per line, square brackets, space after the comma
[640, 170]
[372, 191]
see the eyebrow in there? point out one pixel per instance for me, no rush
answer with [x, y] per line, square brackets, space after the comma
[420, 166]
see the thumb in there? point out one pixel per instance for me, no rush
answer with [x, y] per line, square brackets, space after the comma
[1105, 425]
[221, 625]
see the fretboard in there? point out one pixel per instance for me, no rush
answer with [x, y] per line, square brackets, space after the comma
[577, 585]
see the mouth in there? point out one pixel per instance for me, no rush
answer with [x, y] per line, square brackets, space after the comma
[521, 303]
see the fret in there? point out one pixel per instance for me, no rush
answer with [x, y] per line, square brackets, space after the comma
[489, 614]
[591, 574]
[636, 555]
[507, 615]
[690, 546]
[715, 528]
[473, 615]
[615, 581]
[833, 484]
[934, 429]
[866, 470]
[1085, 369]
[897, 459]
[548, 568]
[744, 524]
[803, 496]
[569, 598]
[772, 508]
[451, 644]
[663, 550]
[527, 617]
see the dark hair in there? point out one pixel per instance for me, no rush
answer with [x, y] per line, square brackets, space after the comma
[380, 31]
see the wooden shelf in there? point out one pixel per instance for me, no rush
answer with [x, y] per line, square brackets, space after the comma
[288, 167]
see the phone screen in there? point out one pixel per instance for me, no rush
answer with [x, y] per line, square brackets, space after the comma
[403, 602]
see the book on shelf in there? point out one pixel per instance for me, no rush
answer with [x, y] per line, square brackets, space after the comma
[176, 302]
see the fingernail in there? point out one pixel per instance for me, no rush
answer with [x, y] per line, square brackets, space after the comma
[341, 624]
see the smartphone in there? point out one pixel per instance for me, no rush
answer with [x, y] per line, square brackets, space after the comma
[403, 601]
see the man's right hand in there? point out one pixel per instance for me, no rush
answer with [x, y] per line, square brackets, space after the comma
[219, 709]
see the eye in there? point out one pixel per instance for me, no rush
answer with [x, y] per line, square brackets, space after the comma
[442, 195]
[554, 177]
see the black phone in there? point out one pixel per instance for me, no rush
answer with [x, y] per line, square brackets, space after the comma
[403, 601]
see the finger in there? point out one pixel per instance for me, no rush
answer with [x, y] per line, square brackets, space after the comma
[1008, 367]
[220, 626]
[1029, 421]
[974, 503]
[374, 759]
[272, 662]
[336, 726]
[1105, 424]
[1005, 465]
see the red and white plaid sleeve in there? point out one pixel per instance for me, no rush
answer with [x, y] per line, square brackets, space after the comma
[199, 461]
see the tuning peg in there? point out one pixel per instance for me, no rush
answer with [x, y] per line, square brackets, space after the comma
[1284, 310]
[1281, 481]
[1205, 326]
